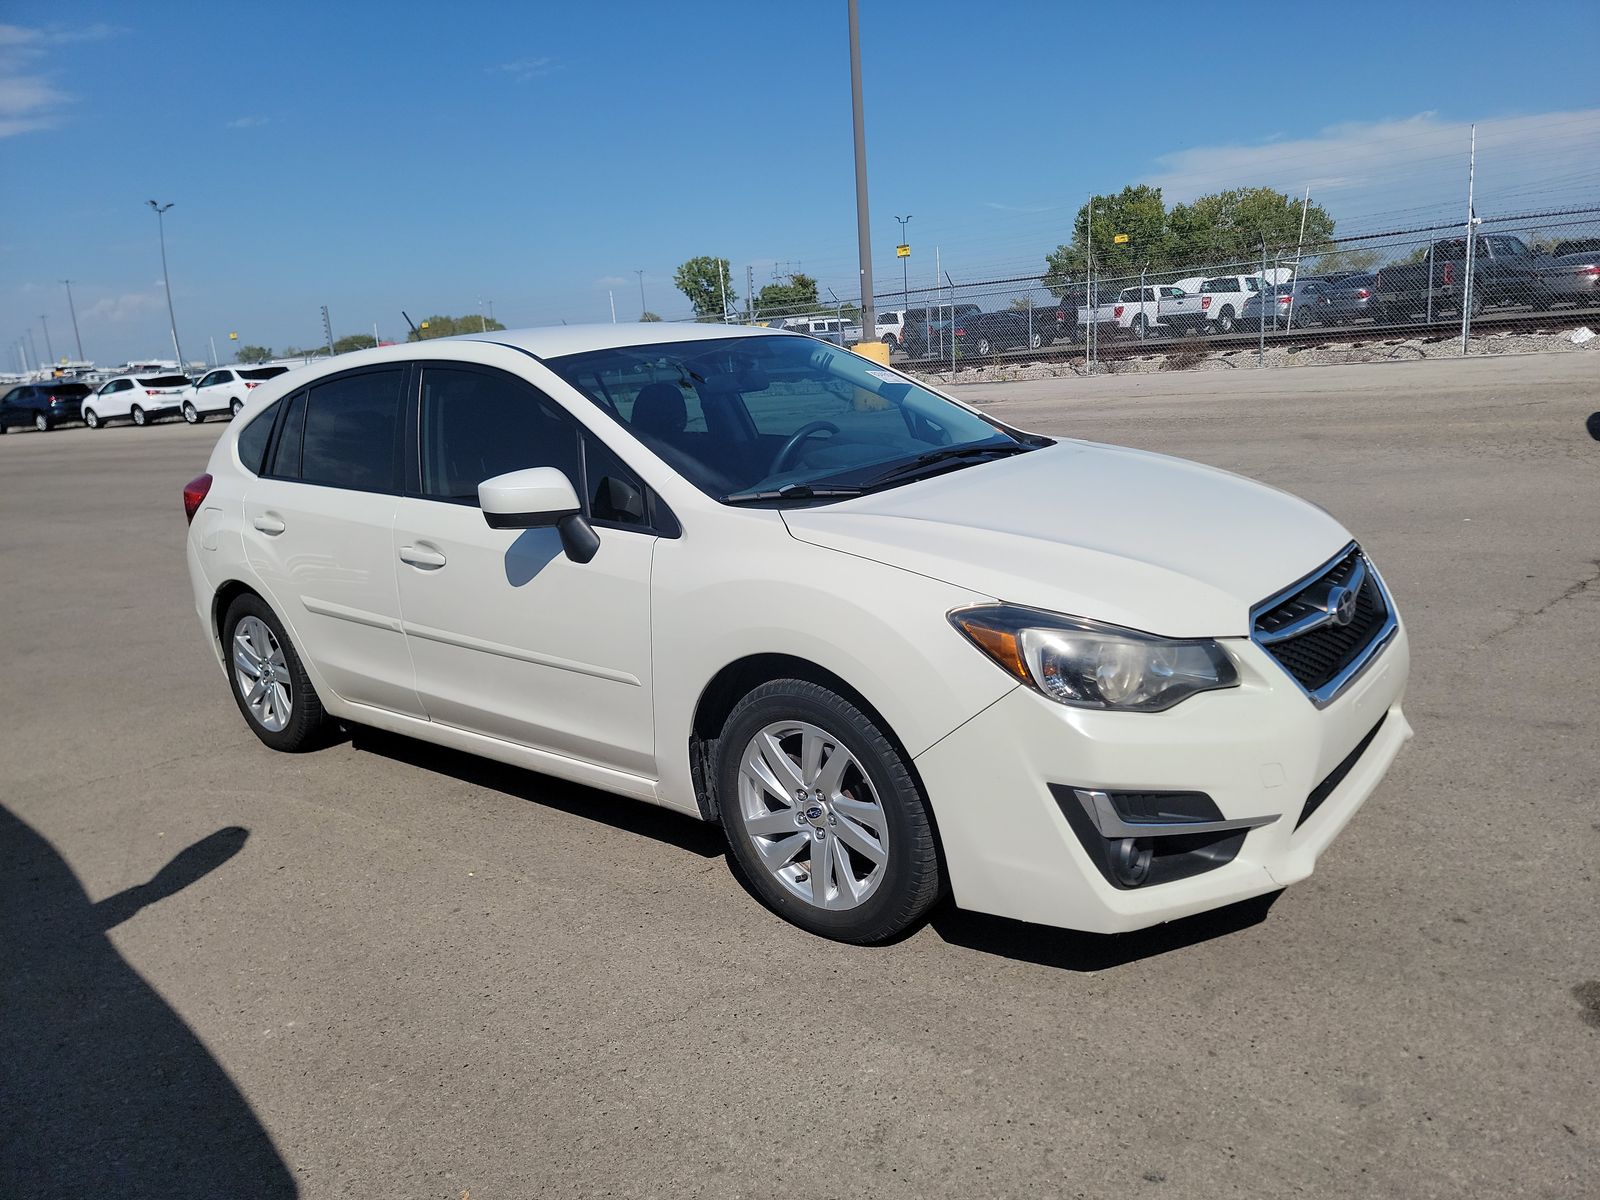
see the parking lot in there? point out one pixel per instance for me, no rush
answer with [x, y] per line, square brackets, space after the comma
[385, 969]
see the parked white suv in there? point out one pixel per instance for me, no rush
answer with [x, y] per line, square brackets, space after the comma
[891, 644]
[137, 398]
[223, 390]
[890, 326]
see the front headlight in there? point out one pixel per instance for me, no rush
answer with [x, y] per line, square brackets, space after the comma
[1086, 664]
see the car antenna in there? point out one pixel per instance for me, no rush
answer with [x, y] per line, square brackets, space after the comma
[413, 325]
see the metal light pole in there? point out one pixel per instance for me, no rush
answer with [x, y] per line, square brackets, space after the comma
[73, 309]
[161, 230]
[869, 322]
[905, 264]
[642, 308]
[49, 350]
[1472, 246]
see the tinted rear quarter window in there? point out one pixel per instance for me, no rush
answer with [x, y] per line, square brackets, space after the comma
[352, 424]
[260, 373]
[166, 381]
[286, 458]
[253, 438]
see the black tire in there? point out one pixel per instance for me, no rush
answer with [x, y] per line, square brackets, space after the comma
[308, 724]
[1225, 320]
[985, 347]
[138, 416]
[235, 407]
[913, 880]
[191, 414]
[1037, 340]
[1141, 327]
[92, 419]
[890, 341]
[42, 423]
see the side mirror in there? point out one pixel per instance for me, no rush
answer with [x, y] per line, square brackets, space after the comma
[537, 498]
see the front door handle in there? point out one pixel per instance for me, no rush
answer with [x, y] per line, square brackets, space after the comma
[425, 557]
[269, 524]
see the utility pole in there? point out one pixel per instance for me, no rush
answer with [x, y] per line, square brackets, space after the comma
[73, 309]
[161, 230]
[327, 329]
[49, 350]
[1472, 246]
[750, 293]
[869, 321]
[1299, 251]
[642, 308]
[905, 267]
[722, 285]
[612, 296]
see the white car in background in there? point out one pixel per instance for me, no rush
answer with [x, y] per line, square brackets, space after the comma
[137, 398]
[224, 390]
[896, 647]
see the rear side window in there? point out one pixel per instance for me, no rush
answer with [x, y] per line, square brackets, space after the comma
[253, 438]
[166, 381]
[260, 373]
[352, 429]
[286, 458]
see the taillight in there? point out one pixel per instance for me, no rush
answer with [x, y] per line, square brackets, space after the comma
[1362, 294]
[1283, 299]
[1205, 303]
[1590, 271]
[960, 332]
[248, 384]
[194, 495]
[1117, 312]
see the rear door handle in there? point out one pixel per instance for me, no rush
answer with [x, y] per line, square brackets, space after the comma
[269, 524]
[425, 557]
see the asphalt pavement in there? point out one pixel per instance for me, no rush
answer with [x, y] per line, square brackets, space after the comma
[383, 969]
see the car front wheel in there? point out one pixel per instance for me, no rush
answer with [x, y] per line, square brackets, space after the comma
[91, 418]
[269, 682]
[822, 815]
[191, 414]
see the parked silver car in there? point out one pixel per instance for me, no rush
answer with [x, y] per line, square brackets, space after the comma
[1347, 299]
[1302, 299]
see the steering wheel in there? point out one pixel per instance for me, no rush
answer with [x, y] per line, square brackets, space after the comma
[796, 439]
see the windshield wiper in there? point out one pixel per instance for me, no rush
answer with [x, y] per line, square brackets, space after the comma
[946, 454]
[793, 491]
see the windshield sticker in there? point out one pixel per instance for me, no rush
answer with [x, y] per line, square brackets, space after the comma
[886, 376]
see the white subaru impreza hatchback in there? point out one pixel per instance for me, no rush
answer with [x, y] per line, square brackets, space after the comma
[891, 644]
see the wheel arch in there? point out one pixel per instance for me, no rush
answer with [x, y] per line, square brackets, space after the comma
[737, 680]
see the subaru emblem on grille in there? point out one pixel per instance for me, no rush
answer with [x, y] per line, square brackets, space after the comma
[1342, 605]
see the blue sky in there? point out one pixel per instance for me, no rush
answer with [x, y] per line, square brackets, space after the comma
[380, 157]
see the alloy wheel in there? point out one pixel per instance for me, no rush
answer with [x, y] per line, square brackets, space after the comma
[261, 674]
[813, 815]
[190, 415]
[41, 423]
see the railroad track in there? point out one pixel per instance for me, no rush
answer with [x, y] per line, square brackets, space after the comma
[1318, 336]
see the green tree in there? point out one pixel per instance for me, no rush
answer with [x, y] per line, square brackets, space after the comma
[1362, 259]
[795, 293]
[1020, 303]
[1229, 227]
[354, 341]
[253, 354]
[308, 352]
[1137, 212]
[439, 326]
[647, 315]
[707, 283]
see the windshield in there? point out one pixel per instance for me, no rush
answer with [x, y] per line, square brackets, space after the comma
[758, 414]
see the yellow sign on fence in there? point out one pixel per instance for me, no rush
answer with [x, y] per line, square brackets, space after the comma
[902, 251]
[233, 337]
[1118, 239]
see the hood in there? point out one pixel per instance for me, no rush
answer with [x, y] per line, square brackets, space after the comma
[1137, 539]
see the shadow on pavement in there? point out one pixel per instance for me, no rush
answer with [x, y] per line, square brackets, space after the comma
[104, 1091]
[619, 812]
[1071, 951]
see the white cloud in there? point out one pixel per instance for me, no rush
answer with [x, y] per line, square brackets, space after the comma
[29, 100]
[524, 69]
[119, 309]
[1404, 164]
[249, 122]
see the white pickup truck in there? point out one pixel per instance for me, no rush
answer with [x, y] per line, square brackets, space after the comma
[1157, 310]
[1222, 298]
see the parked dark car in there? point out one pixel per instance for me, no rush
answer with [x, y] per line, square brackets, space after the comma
[42, 405]
[1504, 272]
[1349, 298]
[926, 328]
[981, 334]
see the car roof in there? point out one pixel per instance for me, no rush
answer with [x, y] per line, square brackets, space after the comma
[555, 341]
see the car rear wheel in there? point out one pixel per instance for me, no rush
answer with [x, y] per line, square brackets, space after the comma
[41, 422]
[269, 682]
[985, 347]
[191, 414]
[822, 815]
[91, 418]
[1225, 321]
[1036, 340]
[1141, 327]
[235, 407]
[139, 416]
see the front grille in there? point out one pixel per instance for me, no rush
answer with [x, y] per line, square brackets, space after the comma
[1319, 656]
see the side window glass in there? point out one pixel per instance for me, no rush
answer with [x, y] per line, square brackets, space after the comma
[286, 458]
[614, 493]
[479, 424]
[352, 425]
[253, 438]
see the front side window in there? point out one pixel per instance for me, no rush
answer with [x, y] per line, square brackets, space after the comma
[213, 379]
[477, 424]
[352, 427]
[778, 412]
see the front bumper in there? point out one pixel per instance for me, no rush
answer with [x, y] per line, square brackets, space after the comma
[1260, 749]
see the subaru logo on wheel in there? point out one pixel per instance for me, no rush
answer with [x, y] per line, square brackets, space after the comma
[813, 813]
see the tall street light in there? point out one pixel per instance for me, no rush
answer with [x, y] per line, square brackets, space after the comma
[642, 308]
[863, 230]
[73, 309]
[49, 350]
[161, 229]
[905, 263]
